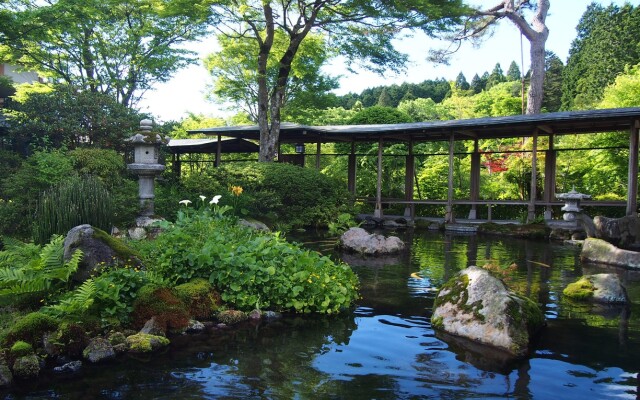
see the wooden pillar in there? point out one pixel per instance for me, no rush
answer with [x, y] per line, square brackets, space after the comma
[351, 170]
[550, 178]
[318, 149]
[632, 182]
[531, 215]
[409, 210]
[177, 165]
[449, 218]
[475, 180]
[378, 211]
[218, 151]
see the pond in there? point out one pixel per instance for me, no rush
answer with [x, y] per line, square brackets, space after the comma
[386, 348]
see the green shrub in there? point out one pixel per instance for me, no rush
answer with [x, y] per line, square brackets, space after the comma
[77, 201]
[379, 115]
[251, 269]
[282, 193]
[30, 329]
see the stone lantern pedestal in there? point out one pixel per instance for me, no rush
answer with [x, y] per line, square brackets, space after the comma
[574, 222]
[571, 206]
[146, 146]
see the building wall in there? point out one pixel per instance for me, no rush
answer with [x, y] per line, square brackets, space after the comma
[18, 76]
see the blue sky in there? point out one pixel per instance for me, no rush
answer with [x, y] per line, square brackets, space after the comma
[186, 91]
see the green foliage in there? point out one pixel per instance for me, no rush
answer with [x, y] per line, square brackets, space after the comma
[625, 91]
[273, 191]
[342, 224]
[65, 117]
[251, 269]
[42, 276]
[606, 42]
[77, 201]
[20, 349]
[379, 115]
[30, 329]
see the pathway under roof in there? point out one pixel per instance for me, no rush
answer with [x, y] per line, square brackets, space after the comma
[519, 126]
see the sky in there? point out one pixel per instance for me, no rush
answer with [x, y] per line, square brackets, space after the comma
[186, 91]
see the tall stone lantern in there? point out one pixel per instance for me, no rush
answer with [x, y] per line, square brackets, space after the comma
[146, 146]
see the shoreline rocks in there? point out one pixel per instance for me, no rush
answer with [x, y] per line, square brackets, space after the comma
[601, 251]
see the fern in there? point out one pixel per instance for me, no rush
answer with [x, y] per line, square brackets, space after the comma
[79, 301]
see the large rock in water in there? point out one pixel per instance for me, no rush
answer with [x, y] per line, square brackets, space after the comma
[600, 251]
[621, 232]
[98, 249]
[599, 288]
[477, 306]
[360, 241]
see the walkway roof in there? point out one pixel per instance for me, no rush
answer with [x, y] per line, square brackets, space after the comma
[568, 122]
[208, 146]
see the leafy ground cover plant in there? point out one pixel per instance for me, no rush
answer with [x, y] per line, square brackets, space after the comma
[250, 269]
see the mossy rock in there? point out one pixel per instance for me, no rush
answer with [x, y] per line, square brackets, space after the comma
[160, 302]
[26, 367]
[582, 289]
[525, 231]
[231, 317]
[20, 349]
[70, 340]
[30, 328]
[200, 298]
[145, 343]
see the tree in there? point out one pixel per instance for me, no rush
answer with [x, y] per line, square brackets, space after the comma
[625, 91]
[536, 32]
[235, 72]
[606, 42]
[119, 48]
[358, 30]
[461, 82]
[552, 83]
[477, 85]
[513, 73]
[496, 76]
[384, 100]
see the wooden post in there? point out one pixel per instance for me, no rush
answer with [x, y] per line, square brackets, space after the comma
[531, 215]
[549, 178]
[351, 170]
[475, 180]
[409, 210]
[318, 156]
[218, 151]
[377, 213]
[177, 165]
[632, 185]
[449, 218]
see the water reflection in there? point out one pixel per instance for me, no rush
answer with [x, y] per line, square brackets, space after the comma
[386, 349]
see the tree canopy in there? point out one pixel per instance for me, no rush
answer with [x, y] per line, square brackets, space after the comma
[358, 30]
[119, 48]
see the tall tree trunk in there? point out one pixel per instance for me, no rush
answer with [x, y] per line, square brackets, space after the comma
[535, 95]
[267, 141]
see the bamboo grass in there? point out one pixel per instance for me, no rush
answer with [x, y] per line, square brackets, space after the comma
[77, 201]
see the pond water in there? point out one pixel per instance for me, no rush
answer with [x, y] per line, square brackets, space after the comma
[386, 348]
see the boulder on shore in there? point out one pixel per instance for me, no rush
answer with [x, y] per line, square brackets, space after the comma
[98, 249]
[478, 306]
[621, 232]
[599, 288]
[360, 241]
[600, 251]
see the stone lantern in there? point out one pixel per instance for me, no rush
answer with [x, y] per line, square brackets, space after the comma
[571, 206]
[146, 146]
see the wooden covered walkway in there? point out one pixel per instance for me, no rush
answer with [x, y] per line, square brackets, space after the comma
[520, 126]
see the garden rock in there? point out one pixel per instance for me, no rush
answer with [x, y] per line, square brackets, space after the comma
[6, 377]
[26, 367]
[477, 306]
[145, 343]
[69, 368]
[600, 251]
[621, 232]
[599, 288]
[231, 317]
[360, 241]
[254, 224]
[98, 350]
[153, 327]
[195, 326]
[98, 248]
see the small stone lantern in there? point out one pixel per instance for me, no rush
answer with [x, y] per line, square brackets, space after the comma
[571, 206]
[146, 145]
